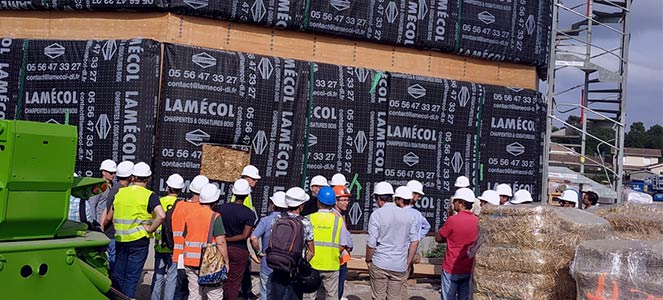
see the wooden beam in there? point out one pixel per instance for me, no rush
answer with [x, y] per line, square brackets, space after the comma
[171, 28]
[358, 264]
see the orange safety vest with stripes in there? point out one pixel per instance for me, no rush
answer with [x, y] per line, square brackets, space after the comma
[180, 211]
[198, 225]
[345, 254]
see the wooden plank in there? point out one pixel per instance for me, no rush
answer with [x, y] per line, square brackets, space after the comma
[187, 30]
[359, 264]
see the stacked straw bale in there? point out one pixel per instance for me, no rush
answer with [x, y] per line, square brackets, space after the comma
[634, 221]
[525, 251]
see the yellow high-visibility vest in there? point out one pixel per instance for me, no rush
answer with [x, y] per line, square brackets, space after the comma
[130, 213]
[327, 232]
[247, 201]
[167, 204]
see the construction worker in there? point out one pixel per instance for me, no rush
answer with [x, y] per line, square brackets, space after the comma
[392, 243]
[180, 211]
[317, 182]
[263, 232]
[79, 211]
[424, 227]
[238, 220]
[505, 193]
[97, 203]
[589, 199]
[251, 174]
[165, 270]
[124, 170]
[338, 180]
[327, 227]
[569, 198]
[340, 209]
[522, 197]
[200, 221]
[460, 232]
[489, 197]
[132, 217]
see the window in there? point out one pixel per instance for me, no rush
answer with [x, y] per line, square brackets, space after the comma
[647, 161]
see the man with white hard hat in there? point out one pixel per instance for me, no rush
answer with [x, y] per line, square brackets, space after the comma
[263, 232]
[97, 203]
[462, 182]
[132, 212]
[123, 176]
[338, 179]
[489, 197]
[522, 197]
[505, 193]
[283, 284]
[317, 182]
[460, 232]
[201, 222]
[569, 198]
[238, 220]
[251, 174]
[163, 255]
[422, 224]
[393, 237]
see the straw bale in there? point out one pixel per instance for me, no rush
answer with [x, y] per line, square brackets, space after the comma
[223, 163]
[511, 259]
[634, 221]
[627, 269]
[515, 285]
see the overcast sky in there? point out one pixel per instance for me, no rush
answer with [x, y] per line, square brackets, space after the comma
[644, 102]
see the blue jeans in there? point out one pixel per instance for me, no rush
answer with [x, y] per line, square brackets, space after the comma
[455, 286]
[165, 272]
[111, 254]
[265, 286]
[283, 287]
[129, 267]
[342, 274]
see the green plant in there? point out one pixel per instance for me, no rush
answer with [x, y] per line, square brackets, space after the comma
[437, 252]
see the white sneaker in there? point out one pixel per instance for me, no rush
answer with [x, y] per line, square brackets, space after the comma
[343, 298]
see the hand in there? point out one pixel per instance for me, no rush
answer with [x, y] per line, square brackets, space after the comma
[417, 259]
[255, 259]
[147, 228]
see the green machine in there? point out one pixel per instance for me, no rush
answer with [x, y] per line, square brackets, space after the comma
[42, 254]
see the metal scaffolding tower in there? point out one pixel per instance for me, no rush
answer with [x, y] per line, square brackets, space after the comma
[589, 55]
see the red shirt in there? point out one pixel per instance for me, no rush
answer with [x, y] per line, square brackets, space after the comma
[461, 232]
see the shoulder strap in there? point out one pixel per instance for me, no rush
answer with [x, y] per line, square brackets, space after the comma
[211, 227]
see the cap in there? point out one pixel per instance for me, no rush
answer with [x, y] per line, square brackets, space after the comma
[504, 190]
[241, 187]
[108, 165]
[198, 183]
[462, 182]
[251, 171]
[209, 193]
[338, 179]
[342, 191]
[464, 194]
[279, 200]
[383, 188]
[175, 181]
[490, 196]
[416, 187]
[326, 196]
[522, 196]
[124, 169]
[319, 180]
[570, 196]
[296, 196]
[403, 192]
[142, 169]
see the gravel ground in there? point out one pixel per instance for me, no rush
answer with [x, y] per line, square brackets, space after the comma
[357, 287]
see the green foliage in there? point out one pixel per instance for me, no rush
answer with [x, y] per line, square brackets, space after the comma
[638, 137]
[437, 252]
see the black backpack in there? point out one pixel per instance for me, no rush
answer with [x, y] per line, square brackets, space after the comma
[286, 244]
[167, 228]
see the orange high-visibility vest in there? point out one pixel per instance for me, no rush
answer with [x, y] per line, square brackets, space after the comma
[179, 218]
[198, 226]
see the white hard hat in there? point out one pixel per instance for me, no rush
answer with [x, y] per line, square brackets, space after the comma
[209, 193]
[198, 183]
[504, 190]
[569, 195]
[108, 165]
[383, 188]
[338, 179]
[296, 196]
[241, 187]
[490, 196]
[251, 171]
[462, 182]
[319, 180]
[279, 200]
[142, 169]
[464, 194]
[522, 196]
[76, 175]
[125, 169]
[175, 181]
[403, 192]
[416, 187]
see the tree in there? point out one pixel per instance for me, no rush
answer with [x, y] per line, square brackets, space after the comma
[637, 136]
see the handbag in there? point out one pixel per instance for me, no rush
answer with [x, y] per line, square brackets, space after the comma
[307, 279]
[212, 264]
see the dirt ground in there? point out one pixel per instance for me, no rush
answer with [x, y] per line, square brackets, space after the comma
[357, 287]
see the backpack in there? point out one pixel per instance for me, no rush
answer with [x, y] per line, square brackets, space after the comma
[286, 244]
[167, 228]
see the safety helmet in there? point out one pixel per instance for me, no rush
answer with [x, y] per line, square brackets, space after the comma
[490, 196]
[570, 196]
[108, 165]
[296, 196]
[522, 196]
[342, 191]
[403, 192]
[326, 196]
[175, 181]
[198, 183]
[318, 180]
[462, 182]
[338, 179]
[251, 171]
[383, 188]
[209, 193]
[125, 169]
[464, 194]
[279, 199]
[504, 190]
[416, 187]
[241, 187]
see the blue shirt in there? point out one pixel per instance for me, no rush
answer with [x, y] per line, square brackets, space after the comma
[264, 231]
[390, 233]
[421, 221]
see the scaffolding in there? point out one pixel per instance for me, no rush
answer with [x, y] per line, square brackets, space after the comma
[589, 55]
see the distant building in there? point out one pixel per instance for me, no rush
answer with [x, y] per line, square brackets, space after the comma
[640, 159]
[564, 156]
